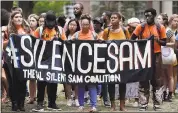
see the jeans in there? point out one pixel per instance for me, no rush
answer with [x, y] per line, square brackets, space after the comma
[92, 93]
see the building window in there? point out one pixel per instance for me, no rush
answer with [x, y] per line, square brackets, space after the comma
[175, 7]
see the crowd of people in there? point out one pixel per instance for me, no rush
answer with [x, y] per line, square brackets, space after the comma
[109, 26]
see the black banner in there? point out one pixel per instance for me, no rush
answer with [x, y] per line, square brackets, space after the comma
[91, 61]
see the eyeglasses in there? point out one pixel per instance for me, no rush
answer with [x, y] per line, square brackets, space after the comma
[72, 25]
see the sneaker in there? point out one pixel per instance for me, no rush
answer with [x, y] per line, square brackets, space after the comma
[107, 104]
[54, 107]
[69, 102]
[39, 108]
[93, 109]
[81, 108]
[156, 108]
[135, 104]
[98, 97]
[77, 103]
[143, 107]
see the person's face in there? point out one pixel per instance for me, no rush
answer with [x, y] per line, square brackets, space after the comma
[41, 21]
[114, 20]
[160, 19]
[97, 25]
[85, 24]
[77, 9]
[149, 17]
[17, 19]
[72, 26]
[33, 22]
[174, 23]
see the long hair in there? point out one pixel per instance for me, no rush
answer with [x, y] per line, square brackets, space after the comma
[77, 29]
[11, 26]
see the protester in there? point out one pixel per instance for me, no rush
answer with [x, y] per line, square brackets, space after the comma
[33, 21]
[106, 18]
[98, 23]
[4, 78]
[48, 32]
[115, 32]
[41, 19]
[61, 20]
[173, 23]
[73, 26]
[146, 30]
[131, 25]
[86, 34]
[167, 68]
[17, 87]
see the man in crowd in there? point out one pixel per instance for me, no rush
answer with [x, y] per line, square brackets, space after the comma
[144, 31]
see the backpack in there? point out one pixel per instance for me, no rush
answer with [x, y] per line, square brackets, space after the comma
[123, 29]
[158, 26]
[41, 29]
[93, 33]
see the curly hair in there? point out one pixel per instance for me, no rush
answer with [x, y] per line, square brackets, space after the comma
[11, 27]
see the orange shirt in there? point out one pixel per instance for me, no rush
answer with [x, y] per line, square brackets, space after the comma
[49, 34]
[82, 36]
[20, 30]
[149, 31]
[115, 35]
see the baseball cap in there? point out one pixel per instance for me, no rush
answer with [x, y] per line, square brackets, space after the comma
[50, 18]
[98, 19]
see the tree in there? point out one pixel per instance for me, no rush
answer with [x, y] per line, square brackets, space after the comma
[27, 7]
[44, 6]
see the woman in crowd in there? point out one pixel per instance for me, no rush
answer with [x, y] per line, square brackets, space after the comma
[173, 24]
[17, 87]
[33, 21]
[72, 27]
[168, 68]
[41, 19]
[86, 34]
[115, 32]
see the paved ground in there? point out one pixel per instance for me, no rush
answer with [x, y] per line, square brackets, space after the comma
[166, 106]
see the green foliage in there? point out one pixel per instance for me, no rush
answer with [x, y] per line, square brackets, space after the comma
[44, 6]
[15, 3]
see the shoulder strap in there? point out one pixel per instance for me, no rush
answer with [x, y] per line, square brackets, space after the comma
[94, 35]
[76, 35]
[108, 32]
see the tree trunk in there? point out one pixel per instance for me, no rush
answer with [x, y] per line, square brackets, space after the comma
[27, 7]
